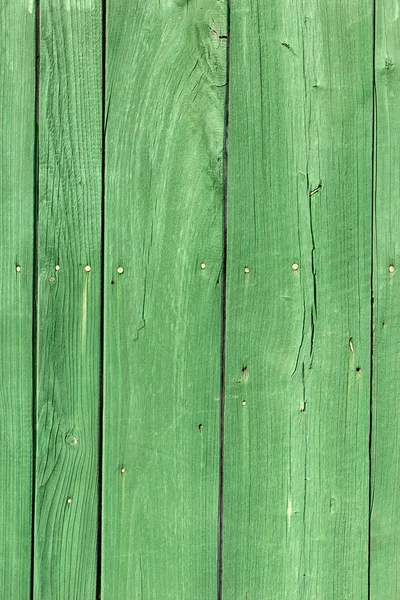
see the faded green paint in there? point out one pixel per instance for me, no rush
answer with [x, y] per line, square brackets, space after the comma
[17, 143]
[69, 301]
[298, 301]
[385, 485]
[133, 218]
[165, 115]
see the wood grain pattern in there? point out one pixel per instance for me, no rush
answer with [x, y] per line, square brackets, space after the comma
[312, 217]
[69, 300]
[17, 193]
[298, 322]
[385, 528]
[165, 104]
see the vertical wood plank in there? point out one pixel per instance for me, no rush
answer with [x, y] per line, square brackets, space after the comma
[385, 488]
[69, 299]
[165, 105]
[298, 300]
[17, 193]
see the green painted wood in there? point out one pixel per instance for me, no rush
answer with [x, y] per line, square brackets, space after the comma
[298, 322]
[69, 299]
[165, 105]
[17, 193]
[385, 486]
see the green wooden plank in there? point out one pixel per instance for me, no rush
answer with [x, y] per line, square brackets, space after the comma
[69, 299]
[17, 193]
[166, 75]
[298, 322]
[385, 488]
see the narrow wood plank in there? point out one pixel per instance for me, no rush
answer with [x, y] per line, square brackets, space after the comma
[69, 299]
[17, 194]
[385, 527]
[166, 70]
[298, 300]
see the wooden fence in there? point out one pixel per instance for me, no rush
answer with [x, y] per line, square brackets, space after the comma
[200, 300]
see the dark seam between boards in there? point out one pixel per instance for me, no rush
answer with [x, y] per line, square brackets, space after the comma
[102, 302]
[35, 284]
[372, 313]
[223, 332]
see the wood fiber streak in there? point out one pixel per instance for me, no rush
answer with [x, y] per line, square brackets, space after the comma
[69, 299]
[298, 301]
[165, 116]
[17, 194]
[385, 484]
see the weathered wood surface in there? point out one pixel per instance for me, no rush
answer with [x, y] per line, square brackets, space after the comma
[298, 301]
[17, 194]
[133, 224]
[69, 300]
[164, 198]
[385, 484]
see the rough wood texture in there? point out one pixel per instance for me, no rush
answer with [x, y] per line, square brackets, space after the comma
[163, 219]
[298, 339]
[69, 300]
[385, 485]
[17, 142]
[308, 228]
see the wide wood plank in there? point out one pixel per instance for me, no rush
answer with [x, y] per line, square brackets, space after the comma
[69, 299]
[385, 484]
[17, 194]
[298, 300]
[165, 116]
